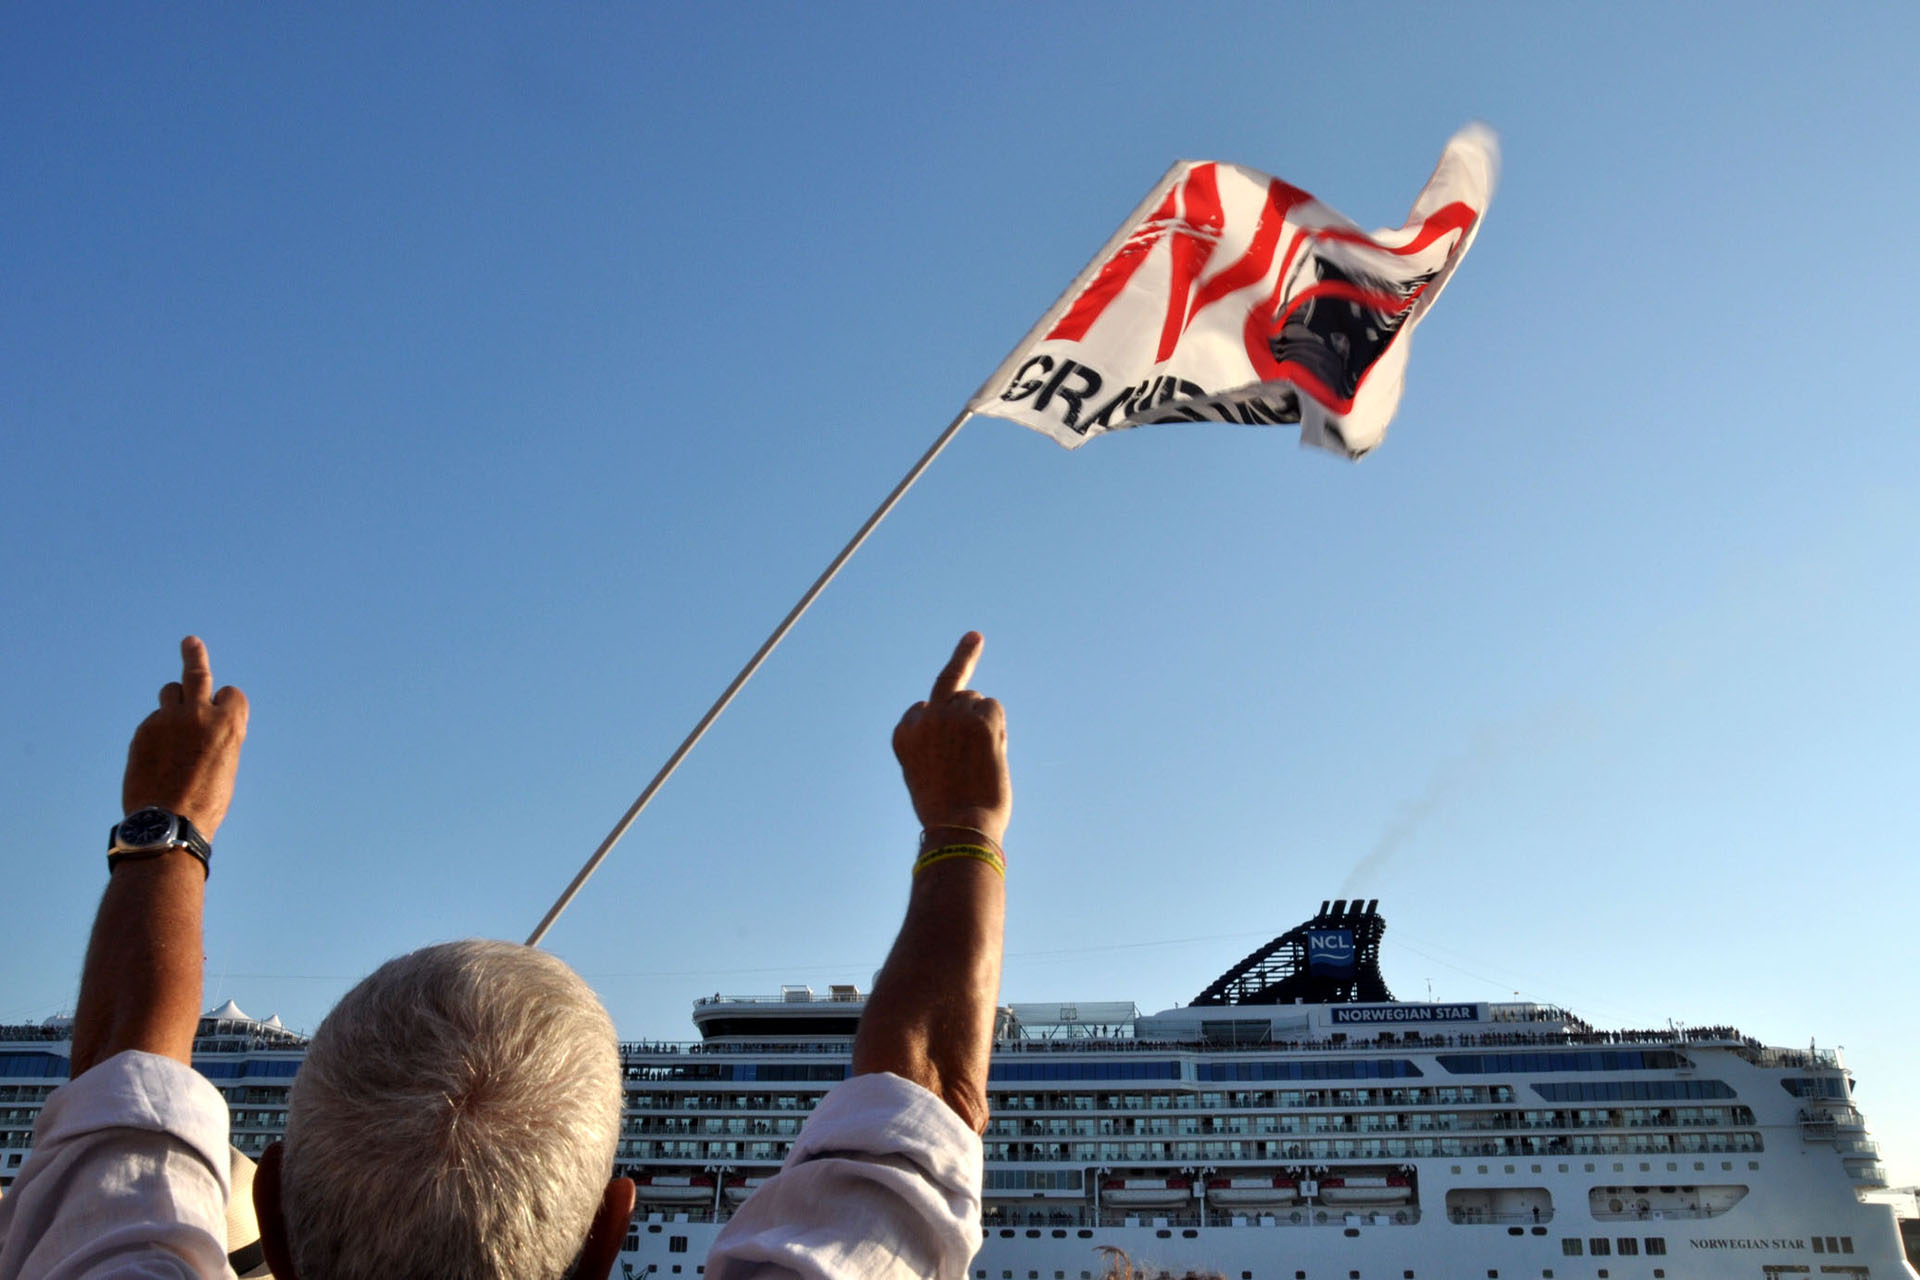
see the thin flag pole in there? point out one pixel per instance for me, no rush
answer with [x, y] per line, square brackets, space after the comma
[746, 673]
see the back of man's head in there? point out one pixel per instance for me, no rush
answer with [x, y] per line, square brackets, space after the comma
[456, 1116]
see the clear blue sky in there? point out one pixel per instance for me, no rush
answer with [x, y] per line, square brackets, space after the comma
[483, 383]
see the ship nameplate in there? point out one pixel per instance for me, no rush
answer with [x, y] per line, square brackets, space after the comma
[1407, 1013]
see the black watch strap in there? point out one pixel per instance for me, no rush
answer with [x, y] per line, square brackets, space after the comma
[185, 836]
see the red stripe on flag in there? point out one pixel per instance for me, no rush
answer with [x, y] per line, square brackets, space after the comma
[1114, 274]
[1201, 195]
[1252, 265]
[1391, 303]
[1260, 318]
[1450, 217]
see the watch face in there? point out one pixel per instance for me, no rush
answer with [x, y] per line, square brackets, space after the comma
[145, 827]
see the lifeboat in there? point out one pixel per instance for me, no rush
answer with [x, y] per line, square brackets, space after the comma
[1251, 1192]
[1365, 1190]
[1146, 1192]
[666, 1188]
[738, 1189]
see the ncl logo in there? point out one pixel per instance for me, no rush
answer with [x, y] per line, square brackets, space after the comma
[1329, 951]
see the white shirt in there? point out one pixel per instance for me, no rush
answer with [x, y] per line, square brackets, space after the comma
[129, 1173]
[128, 1178]
[884, 1181]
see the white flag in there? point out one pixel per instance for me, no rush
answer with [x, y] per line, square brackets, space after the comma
[1230, 296]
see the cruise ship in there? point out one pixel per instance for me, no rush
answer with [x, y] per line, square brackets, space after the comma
[1293, 1121]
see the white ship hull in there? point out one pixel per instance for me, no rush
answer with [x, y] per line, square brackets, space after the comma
[1329, 1136]
[1785, 1200]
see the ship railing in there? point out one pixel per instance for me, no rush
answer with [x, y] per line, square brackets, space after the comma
[1503, 1011]
[688, 1213]
[795, 997]
[1795, 1059]
[1476, 1217]
[1651, 1215]
[1747, 1048]
[1404, 1215]
[1006, 1222]
[254, 1044]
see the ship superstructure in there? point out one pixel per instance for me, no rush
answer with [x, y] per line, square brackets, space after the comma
[1293, 1122]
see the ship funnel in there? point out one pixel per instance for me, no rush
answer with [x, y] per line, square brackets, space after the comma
[1334, 958]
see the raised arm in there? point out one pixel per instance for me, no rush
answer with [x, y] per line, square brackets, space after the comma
[141, 985]
[930, 1017]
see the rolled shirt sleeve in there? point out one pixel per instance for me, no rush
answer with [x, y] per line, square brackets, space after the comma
[128, 1178]
[883, 1181]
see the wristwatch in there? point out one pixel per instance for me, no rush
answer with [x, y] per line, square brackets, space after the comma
[150, 832]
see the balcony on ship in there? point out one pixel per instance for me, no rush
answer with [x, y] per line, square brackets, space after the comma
[1499, 1206]
[1034, 1216]
[1867, 1174]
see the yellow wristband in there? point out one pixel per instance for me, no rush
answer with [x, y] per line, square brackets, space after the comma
[985, 839]
[947, 853]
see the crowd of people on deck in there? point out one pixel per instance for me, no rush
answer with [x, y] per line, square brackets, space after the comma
[457, 1112]
[1422, 1039]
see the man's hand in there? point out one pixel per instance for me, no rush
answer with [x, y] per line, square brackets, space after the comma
[184, 755]
[952, 749]
[141, 986]
[930, 1017]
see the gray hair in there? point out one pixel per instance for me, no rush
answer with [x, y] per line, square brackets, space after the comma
[456, 1115]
